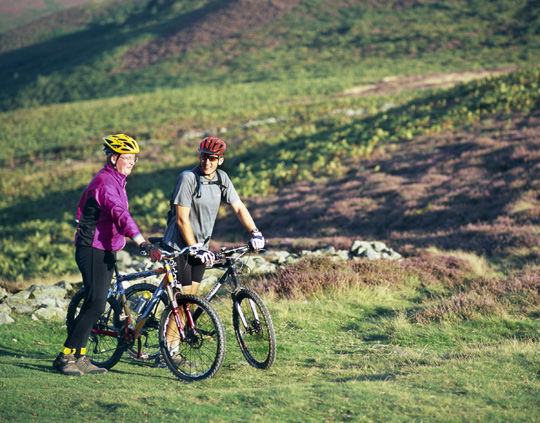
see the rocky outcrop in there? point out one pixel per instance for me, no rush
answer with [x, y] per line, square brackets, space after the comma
[51, 301]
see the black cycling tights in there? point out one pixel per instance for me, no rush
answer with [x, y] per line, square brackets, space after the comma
[97, 268]
[189, 269]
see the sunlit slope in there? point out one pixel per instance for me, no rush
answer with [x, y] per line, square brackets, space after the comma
[125, 47]
[302, 142]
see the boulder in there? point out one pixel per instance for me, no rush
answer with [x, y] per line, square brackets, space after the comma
[5, 318]
[21, 303]
[47, 292]
[3, 293]
[48, 313]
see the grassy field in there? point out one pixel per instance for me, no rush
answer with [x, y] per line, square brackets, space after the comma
[355, 350]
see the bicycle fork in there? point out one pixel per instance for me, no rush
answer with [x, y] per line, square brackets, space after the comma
[234, 275]
[243, 317]
[168, 281]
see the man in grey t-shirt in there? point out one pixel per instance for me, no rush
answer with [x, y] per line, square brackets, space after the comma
[196, 200]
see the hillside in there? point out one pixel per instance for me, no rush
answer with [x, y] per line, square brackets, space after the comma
[16, 13]
[346, 120]
[474, 189]
[119, 47]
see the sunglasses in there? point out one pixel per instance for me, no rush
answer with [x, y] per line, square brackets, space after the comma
[209, 158]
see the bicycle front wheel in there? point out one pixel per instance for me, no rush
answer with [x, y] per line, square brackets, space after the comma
[200, 354]
[104, 347]
[254, 329]
[149, 334]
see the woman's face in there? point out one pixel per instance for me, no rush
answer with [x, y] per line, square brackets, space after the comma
[124, 163]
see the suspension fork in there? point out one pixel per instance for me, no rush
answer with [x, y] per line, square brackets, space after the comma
[234, 276]
[125, 315]
[167, 283]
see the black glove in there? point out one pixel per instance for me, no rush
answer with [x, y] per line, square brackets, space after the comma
[151, 250]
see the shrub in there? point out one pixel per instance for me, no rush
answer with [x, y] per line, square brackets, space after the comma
[466, 306]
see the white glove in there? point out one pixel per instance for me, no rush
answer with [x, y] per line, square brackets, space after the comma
[257, 240]
[205, 256]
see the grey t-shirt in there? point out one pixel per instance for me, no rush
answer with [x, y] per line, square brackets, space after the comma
[204, 210]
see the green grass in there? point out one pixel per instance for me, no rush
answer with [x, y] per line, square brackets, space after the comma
[337, 360]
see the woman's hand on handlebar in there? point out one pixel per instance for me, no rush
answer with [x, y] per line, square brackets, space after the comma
[151, 250]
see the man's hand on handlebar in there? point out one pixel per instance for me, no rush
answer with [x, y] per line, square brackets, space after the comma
[257, 240]
[204, 256]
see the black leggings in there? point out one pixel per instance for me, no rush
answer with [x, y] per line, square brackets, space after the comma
[97, 268]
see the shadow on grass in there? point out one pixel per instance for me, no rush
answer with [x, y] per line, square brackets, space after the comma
[370, 378]
[13, 352]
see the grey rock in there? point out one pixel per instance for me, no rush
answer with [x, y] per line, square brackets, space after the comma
[66, 285]
[5, 318]
[21, 303]
[371, 255]
[46, 292]
[48, 313]
[3, 293]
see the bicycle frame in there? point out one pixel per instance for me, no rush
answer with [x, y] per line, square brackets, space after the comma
[232, 272]
[168, 284]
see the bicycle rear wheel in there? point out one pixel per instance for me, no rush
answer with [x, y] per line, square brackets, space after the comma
[149, 334]
[254, 329]
[200, 355]
[104, 347]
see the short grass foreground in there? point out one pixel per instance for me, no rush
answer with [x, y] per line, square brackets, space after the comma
[403, 347]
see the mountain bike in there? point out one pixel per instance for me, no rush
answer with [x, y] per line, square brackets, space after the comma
[252, 323]
[192, 349]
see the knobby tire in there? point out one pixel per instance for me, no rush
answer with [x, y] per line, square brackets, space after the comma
[257, 341]
[201, 354]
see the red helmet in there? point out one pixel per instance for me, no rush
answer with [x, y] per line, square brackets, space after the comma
[212, 145]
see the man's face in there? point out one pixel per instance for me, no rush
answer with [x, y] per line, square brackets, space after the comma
[209, 163]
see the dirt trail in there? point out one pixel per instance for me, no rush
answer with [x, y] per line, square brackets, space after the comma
[397, 84]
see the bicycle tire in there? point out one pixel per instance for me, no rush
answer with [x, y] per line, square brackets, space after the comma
[257, 341]
[201, 354]
[103, 350]
[150, 350]
[74, 307]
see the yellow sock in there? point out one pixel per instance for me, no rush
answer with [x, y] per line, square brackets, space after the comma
[83, 351]
[68, 351]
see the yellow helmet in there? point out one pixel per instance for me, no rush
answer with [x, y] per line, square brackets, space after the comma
[121, 144]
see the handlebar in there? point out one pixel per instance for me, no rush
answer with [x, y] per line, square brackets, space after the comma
[227, 252]
[219, 256]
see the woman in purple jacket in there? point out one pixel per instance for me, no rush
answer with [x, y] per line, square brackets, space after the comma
[104, 223]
